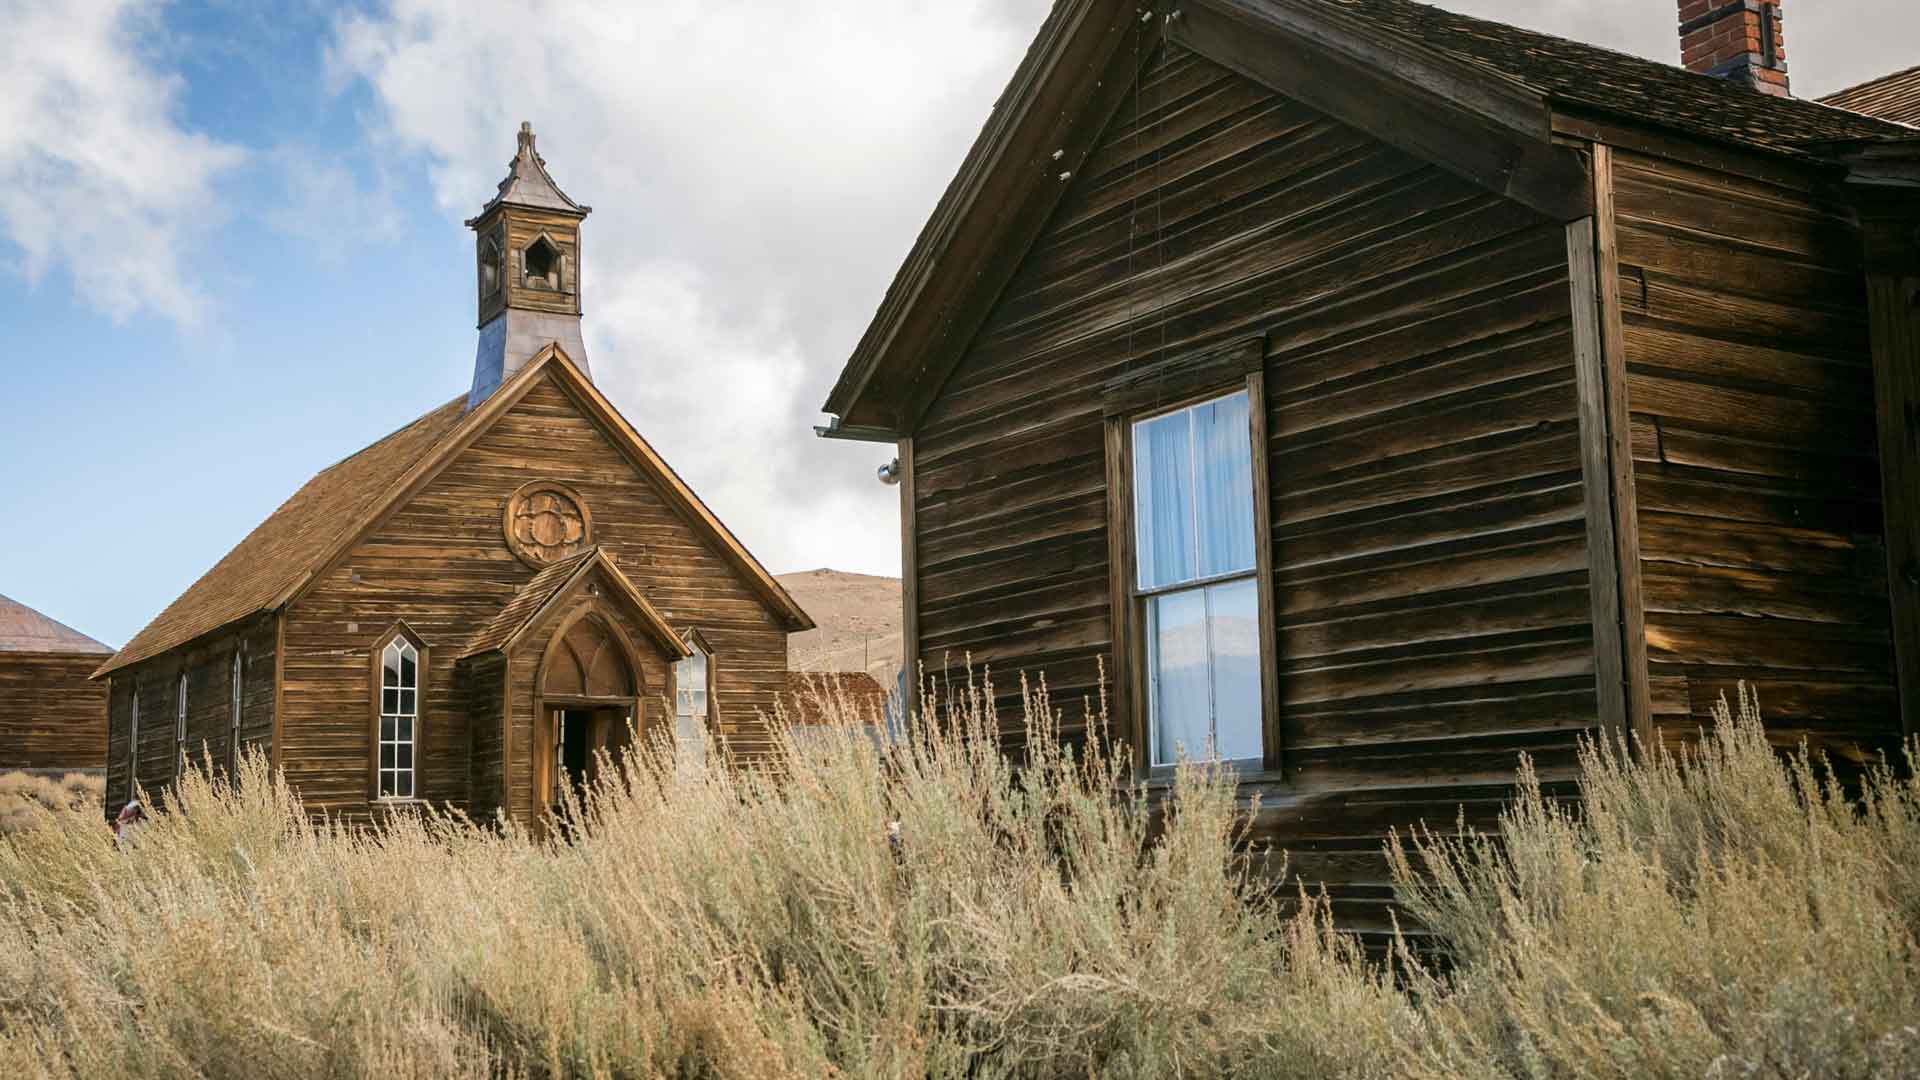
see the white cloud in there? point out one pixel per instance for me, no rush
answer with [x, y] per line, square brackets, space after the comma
[757, 172]
[97, 179]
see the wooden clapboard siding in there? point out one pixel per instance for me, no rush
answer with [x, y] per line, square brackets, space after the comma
[51, 716]
[480, 691]
[441, 563]
[208, 665]
[1750, 380]
[1428, 513]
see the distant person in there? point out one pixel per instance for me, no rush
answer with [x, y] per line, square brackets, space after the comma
[131, 817]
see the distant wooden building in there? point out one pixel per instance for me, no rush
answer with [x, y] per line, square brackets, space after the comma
[1375, 394]
[52, 718]
[463, 612]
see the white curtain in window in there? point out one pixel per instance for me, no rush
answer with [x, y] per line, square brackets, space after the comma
[1223, 482]
[1163, 470]
[1194, 493]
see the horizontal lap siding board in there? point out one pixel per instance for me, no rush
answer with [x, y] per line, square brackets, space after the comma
[441, 563]
[1749, 377]
[1428, 522]
[51, 715]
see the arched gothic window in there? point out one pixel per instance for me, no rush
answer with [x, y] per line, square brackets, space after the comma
[233, 734]
[180, 727]
[399, 666]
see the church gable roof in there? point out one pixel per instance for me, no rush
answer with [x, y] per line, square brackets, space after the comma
[553, 585]
[274, 564]
[24, 630]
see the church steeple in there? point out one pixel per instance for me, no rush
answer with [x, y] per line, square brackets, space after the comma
[527, 271]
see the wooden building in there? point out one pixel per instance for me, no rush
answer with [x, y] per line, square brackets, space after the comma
[52, 718]
[1375, 394]
[464, 611]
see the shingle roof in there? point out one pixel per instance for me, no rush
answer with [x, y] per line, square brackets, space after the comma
[25, 630]
[1893, 97]
[1590, 77]
[817, 697]
[528, 183]
[307, 527]
[556, 581]
[269, 566]
[526, 603]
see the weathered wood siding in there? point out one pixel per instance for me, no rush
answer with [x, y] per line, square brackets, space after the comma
[480, 688]
[441, 563]
[1750, 381]
[1428, 525]
[208, 664]
[51, 716]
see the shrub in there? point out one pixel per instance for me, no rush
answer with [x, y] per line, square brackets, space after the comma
[24, 796]
[1722, 914]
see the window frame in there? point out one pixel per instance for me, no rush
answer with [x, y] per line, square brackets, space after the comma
[1158, 390]
[133, 740]
[237, 696]
[180, 724]
[708, 720]
[403, 633]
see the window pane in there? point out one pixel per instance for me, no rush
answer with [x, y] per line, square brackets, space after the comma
[404, 756]
[1234, 619]
[386, 784]
[1163, 499]
[1223, 473]
[390, 665]
[409, 671]
[386, 755]
[690, 741]
[386, 728]
[406, 729]
[404, 785]
[1177, 661]
[407, 703]
[389, 701]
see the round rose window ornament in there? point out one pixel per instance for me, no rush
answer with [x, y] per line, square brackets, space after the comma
[547, 521]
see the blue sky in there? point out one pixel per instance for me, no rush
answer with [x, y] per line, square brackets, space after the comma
[231, 248]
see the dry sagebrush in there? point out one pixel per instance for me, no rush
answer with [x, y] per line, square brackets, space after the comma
[1721, 916]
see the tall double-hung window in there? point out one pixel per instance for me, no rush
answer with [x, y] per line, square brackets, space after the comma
[399, 717]
[1196, 577]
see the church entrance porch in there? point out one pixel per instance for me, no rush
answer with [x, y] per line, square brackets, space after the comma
[570, 756]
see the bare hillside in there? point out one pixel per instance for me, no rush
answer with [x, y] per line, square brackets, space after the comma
[859, 623]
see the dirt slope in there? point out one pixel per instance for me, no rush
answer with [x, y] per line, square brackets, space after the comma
[859, 623]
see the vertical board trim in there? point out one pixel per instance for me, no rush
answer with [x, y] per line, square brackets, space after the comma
[1263, 567]
[909, 582]
[1893, 302]
[1596, 470]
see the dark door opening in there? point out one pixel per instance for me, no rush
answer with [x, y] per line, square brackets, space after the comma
[574, 750]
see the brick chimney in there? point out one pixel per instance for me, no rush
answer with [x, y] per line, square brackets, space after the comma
[1738, 40]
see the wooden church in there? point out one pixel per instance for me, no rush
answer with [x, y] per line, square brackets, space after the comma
[1365, 395]
[465, 611]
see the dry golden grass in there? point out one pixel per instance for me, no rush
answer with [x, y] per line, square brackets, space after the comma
[24, 795]
[1730, 917]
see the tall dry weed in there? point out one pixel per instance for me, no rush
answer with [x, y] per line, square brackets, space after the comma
[924, 908]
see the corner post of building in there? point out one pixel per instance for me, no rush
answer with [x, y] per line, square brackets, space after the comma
[1890, 241]
[1613, 545]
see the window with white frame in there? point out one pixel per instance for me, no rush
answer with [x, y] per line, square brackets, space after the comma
[399, 717]
[1196, 578]
[233, 734]
[180, 725]
[691, 685]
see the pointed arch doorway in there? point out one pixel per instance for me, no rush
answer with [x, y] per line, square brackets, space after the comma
[587, 700]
